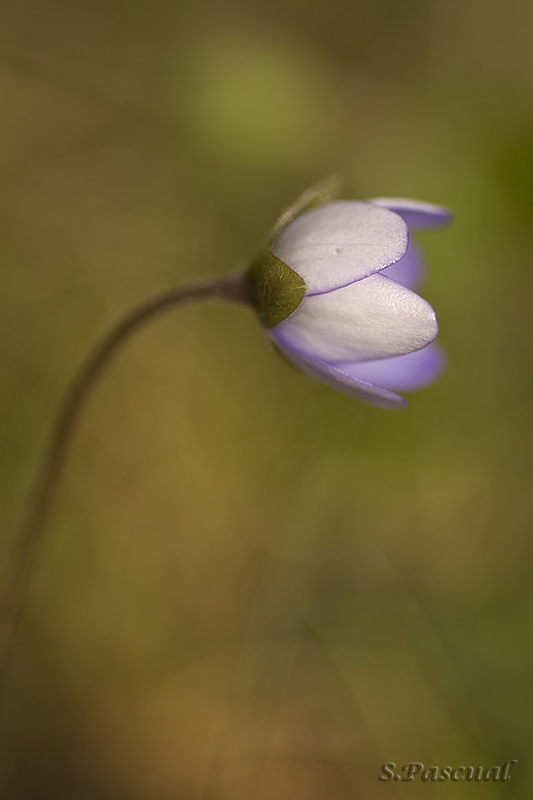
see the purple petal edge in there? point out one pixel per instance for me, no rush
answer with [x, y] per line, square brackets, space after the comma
[335, 376]
[409, 270]
[402, 373]
[418, 216]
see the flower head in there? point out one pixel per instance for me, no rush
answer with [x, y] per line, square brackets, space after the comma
[334, 289]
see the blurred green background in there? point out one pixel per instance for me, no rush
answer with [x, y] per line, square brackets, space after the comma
[253, 587]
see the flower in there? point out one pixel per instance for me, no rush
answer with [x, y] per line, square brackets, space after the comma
[334, 292]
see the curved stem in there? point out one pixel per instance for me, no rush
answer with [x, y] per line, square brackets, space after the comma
[16, 581]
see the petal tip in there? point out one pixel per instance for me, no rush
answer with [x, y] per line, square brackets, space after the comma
[418, 215]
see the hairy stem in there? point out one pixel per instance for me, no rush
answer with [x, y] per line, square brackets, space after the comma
[16, 580]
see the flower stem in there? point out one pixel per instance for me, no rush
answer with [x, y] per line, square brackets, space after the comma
[16, 580]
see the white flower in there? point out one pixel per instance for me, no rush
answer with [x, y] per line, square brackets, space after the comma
[334, 290]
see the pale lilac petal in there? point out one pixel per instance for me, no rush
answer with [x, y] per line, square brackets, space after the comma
[402, 373]
[369, 319]
[409, 270]
[418, 216]
[339, 379]
[336, 244]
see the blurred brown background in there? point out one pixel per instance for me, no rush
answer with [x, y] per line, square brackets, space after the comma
[253, 587]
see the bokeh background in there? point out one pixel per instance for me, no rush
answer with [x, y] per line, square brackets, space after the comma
[253, 587]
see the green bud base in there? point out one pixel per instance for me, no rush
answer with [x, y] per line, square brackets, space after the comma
[275, 288]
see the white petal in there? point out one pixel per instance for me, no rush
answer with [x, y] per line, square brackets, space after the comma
[418, 216]
[338, 243]
[372, 318]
